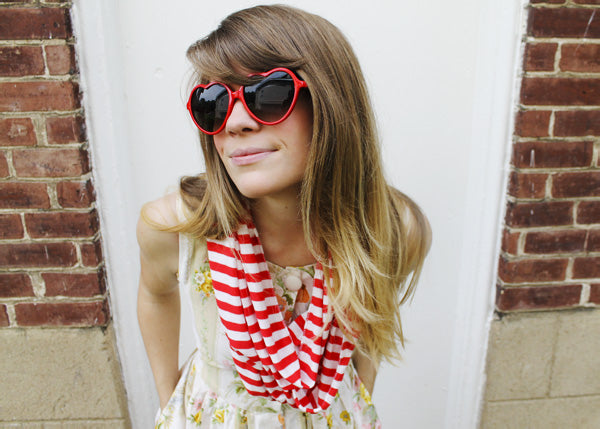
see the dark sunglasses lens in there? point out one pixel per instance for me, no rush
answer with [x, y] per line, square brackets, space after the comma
[271, 98]
[209, 106]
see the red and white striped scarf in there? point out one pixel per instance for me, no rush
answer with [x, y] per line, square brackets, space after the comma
[301, 364]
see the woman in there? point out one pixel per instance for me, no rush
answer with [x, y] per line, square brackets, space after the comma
[294, 250]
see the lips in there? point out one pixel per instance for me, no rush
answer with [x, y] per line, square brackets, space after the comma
[249, 155]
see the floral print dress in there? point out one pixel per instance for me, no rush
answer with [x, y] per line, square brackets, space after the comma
[210, 393]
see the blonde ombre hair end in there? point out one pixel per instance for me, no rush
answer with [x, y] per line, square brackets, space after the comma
[372, 238]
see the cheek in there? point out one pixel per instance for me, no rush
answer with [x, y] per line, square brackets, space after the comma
[218, 142]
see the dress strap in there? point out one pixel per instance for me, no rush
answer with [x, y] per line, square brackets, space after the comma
[186, 244]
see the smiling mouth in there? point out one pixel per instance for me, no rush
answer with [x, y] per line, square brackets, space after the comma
[249, 156]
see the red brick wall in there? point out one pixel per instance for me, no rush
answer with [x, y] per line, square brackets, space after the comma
[551, 246]
[51, 267]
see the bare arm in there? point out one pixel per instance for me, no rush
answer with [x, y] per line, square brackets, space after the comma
[158, 305]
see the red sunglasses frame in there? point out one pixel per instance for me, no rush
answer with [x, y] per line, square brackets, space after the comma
[239, 95]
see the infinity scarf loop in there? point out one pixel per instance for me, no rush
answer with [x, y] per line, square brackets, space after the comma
[301, 364]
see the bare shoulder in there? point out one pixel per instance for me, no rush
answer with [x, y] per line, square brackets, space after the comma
[161, 212]
[159, 245]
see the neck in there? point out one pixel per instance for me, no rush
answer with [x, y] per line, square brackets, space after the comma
[279, 224]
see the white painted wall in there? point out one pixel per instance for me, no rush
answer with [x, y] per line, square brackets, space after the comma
[441, 79]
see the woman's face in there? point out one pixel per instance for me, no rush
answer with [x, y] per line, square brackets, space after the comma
[266, 160]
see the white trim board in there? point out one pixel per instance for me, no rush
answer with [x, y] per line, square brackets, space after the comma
[96, 29]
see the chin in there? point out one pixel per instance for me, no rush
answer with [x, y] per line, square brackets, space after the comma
[264, 190]
[254, 193]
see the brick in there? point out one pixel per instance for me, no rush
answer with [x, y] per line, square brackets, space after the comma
[560, 91]
[75, 194]
[61, 59]
[34, 23]
[555, 241]
[588, 212]
[593, 241]
[595, 293]
[532, 123]
[547, 1]
[62, 314]
[577, 123]
[23, 195]
[61, 224]
[539, 56]
[91, 254]
[4, 171]
[50, 162]
[3, 316]
[580, 58]
[37, 255]
[553, 154]
[510, 242]
[38, 96]
[563, 22]
[539, 214]
[525, 185]
[70, 129]
[69, 284]
[10, 226]
[584, 184]
[21, 61]
[15, 285]
[532, 270]
[17, 132]
[586, 268]
[540, 297]
[587, 1]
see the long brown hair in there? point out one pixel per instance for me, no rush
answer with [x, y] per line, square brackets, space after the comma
[375, 237]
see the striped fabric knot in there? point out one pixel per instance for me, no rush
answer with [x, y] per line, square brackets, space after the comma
[301, 364]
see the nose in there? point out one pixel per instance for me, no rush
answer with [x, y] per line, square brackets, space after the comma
[240, 121]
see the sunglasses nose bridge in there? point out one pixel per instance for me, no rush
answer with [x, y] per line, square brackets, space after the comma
[238, 94]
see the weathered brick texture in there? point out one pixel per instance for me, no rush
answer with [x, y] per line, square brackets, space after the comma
[61, 59]
[51, 264]
[588, 212]
[75, 194]
[533, 123]
[595, 294]
[38, 255]
[540, 56]
[549, 255]
[552, 154]
[35, 23]
[38, 96]
[21, 61]
[15, 285]
[61, 313]
[24, 195]
[553, 213]
[536, 298]
[551, 91]
[562, 22]
[17, 132]
[527, 185]
[577, 123]
[73, 284]
[69, 129]
[11, 226]
[580, 58]
[4, 171]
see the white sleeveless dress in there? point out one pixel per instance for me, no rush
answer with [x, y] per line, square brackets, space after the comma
[210, 393]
